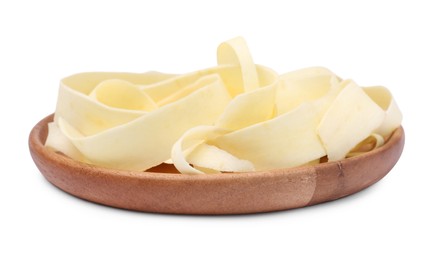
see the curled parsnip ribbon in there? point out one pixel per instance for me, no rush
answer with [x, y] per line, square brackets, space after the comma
[234, 117]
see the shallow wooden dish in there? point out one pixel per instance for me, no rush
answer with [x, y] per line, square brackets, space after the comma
[229, 193]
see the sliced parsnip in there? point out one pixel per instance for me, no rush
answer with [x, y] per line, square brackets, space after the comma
[122, 94]
[161, 90]
[384, 99]
[235, 52]
[210, 157]
[87, 81]
[188, 89]
[86, 114]
[59, 142]
[236, 116]
[369, 144]
[148, 140]
[187, 143]
[191, 148]
[249, 108]
[285, 141]
[351, 118]
[303, 86]
[254, 106]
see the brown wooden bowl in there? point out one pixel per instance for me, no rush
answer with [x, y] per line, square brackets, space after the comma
[228, 193]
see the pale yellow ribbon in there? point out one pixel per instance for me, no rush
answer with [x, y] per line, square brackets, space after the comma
[234, 117]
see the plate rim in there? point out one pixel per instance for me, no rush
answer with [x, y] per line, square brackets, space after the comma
[43, 155]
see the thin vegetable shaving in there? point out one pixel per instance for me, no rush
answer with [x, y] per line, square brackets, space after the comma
[235, 117]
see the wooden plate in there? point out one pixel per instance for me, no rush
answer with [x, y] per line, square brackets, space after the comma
[229, 193]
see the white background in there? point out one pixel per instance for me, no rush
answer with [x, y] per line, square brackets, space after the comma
[373, 42]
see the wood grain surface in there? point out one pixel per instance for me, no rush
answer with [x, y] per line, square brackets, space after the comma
[160, 191]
